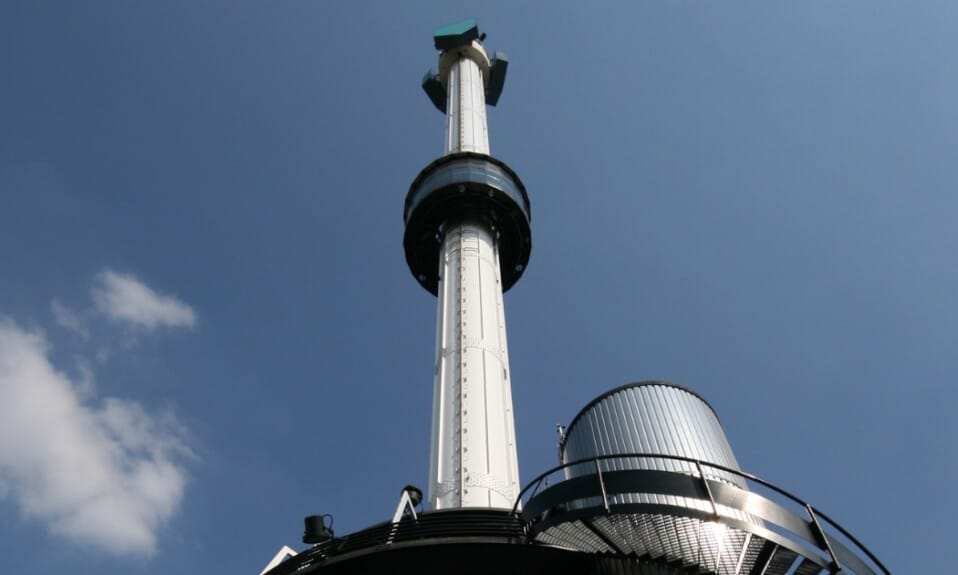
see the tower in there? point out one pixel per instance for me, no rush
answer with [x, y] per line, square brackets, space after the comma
[647, 483]
[467, 241]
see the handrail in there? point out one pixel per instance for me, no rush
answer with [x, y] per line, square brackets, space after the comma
[740, 473]
[850, 537]
[699, 463]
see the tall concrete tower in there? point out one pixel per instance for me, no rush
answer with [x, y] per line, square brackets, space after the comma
[467, 241]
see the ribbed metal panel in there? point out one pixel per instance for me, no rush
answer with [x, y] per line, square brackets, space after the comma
[653, 418]
[659, 418]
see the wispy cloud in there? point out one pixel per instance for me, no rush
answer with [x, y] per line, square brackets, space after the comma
[68, 319]
[105, 473]
[123, 297]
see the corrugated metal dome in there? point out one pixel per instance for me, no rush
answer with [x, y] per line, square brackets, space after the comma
[656, 418]
[650, 417]
[650, 476]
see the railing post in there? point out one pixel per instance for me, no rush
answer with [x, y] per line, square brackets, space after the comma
[708, 490]
[605, 498]
[835, 566]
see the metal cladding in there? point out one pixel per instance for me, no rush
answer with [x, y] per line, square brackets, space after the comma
[618, 435]
[648, 474]
[467, 240]
[651, 417]
[461, 186]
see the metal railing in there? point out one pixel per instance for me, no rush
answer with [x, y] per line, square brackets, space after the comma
[825, 542]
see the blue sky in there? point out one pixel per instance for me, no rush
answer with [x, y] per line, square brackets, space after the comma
[207, 327]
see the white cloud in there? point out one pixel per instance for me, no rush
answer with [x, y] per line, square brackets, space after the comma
[106, 474]
[123, 297]
[85, 383]
[68, 320]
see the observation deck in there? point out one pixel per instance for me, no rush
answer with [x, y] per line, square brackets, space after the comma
[591, 524]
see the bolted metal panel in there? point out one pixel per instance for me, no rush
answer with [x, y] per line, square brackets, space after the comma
[466, 129]
[474, 461]
[463, 209]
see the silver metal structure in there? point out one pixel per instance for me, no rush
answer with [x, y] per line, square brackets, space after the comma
[650, 417]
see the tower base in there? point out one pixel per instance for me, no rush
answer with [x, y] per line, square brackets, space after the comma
[463, 541]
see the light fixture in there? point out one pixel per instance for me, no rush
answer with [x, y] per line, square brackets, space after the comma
[316, 529]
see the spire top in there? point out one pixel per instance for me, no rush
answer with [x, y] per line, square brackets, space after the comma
[455, 35]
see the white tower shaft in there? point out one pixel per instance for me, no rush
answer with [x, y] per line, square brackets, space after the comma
[466, 129]
[474, 461]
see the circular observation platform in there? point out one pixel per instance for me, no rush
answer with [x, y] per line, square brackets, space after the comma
[694, 521]
[459, 187]
[616, 520]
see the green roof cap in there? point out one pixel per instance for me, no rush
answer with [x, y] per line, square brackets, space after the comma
[455, 35]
